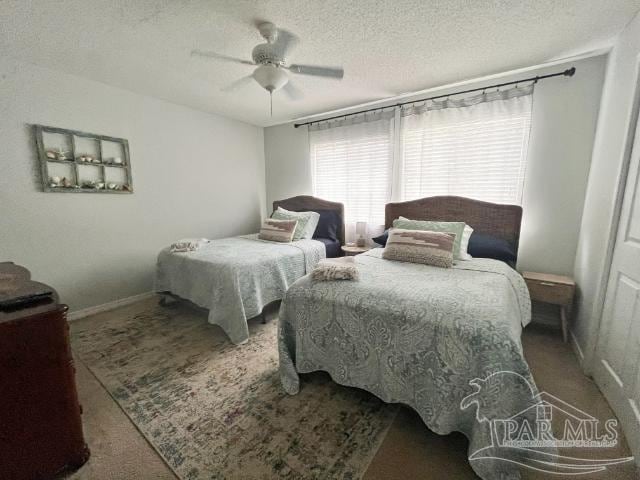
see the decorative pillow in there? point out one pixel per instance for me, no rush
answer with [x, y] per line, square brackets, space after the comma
[382, 238]
[448, 227]
[464, 243]
[277, 230]
[343, 268]
[420, 246]
[307, 221]
[328, 225]
[482, 245]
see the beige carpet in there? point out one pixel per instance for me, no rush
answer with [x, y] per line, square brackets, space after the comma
[409, 450]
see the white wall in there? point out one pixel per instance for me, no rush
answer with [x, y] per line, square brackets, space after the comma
[194, 175]
[288, 168]
[564, 120]
[606, 180]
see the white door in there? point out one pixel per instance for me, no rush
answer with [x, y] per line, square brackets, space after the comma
[617, 368]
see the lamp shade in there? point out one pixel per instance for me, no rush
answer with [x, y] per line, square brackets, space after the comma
[361, 231]
[270, 77]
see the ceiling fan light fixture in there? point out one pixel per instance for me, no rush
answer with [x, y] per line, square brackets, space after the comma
[270, 77]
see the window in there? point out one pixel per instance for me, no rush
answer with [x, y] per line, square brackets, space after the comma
[352, 164]
[477, 150]
[472, 147]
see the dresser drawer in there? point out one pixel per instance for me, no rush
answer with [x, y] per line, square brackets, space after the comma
[550, 292]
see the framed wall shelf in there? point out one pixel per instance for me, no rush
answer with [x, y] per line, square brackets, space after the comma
[78, 162]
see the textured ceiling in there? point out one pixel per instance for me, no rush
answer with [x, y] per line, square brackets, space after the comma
[386, 47]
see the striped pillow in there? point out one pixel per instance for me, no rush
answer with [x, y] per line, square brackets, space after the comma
[277, 230]
[433, 226]
[420, 246]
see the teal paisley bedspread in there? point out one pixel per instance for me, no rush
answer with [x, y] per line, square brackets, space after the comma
[236, 277]
[418, 335]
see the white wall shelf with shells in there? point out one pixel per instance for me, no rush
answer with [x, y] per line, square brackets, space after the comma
[78, 162]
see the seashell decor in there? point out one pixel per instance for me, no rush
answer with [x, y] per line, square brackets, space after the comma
[113, 161]
[79, 151]
[64, 182]
[88, 159]
[93, 185]
[90, 184]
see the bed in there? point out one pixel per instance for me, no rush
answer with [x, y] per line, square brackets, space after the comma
[236, 277]
[424, 336]
[330, 230]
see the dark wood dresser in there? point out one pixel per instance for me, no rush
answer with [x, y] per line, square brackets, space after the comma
[40, 425]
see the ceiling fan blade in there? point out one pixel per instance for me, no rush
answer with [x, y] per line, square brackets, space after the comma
[241, 82]
[291, 91]
[219, 56]
[317, 71]
[285, 42]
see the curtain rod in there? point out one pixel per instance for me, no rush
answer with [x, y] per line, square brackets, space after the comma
[566, 73]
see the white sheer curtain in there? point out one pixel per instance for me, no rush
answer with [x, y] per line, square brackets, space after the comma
[474, 147]
[351, 162]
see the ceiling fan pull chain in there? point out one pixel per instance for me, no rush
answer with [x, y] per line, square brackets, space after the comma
[271, 102]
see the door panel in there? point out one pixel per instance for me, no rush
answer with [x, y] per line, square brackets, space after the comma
[626, 293]
[632, 360]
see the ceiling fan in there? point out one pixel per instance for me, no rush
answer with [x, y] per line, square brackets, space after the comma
[271, 60]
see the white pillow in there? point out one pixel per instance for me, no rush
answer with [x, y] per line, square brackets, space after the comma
[307, 222]
[464, 243]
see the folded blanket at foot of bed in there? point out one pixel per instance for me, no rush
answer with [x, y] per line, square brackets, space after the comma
[188, 244]
[343, 268]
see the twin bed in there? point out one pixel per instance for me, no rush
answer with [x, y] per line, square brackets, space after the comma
[445, 341]
[236, 277]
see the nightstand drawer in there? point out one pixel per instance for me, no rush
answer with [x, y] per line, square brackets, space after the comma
[550, 292]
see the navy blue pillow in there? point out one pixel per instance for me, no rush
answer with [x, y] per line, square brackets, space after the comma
[482, 245]
[382, 238]
[328, 225]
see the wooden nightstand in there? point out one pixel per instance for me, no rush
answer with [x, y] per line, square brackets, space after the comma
[554, 289]
[351, 250]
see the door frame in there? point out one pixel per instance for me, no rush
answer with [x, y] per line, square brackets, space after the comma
[589, 360]
[608, 380]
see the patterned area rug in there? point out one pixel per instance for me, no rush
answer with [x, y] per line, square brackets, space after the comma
[215, 410]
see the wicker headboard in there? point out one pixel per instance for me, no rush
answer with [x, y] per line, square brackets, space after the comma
[502, 221]
[303, 203]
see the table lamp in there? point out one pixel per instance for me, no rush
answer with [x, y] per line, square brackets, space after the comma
[361, 230]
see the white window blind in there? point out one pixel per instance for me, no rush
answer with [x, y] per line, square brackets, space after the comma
[475, 147]
[352, 164]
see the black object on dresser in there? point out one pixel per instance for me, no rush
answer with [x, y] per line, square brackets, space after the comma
[40, 419]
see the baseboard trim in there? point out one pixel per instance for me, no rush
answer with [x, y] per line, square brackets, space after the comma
[105, 307]
[576, 348]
